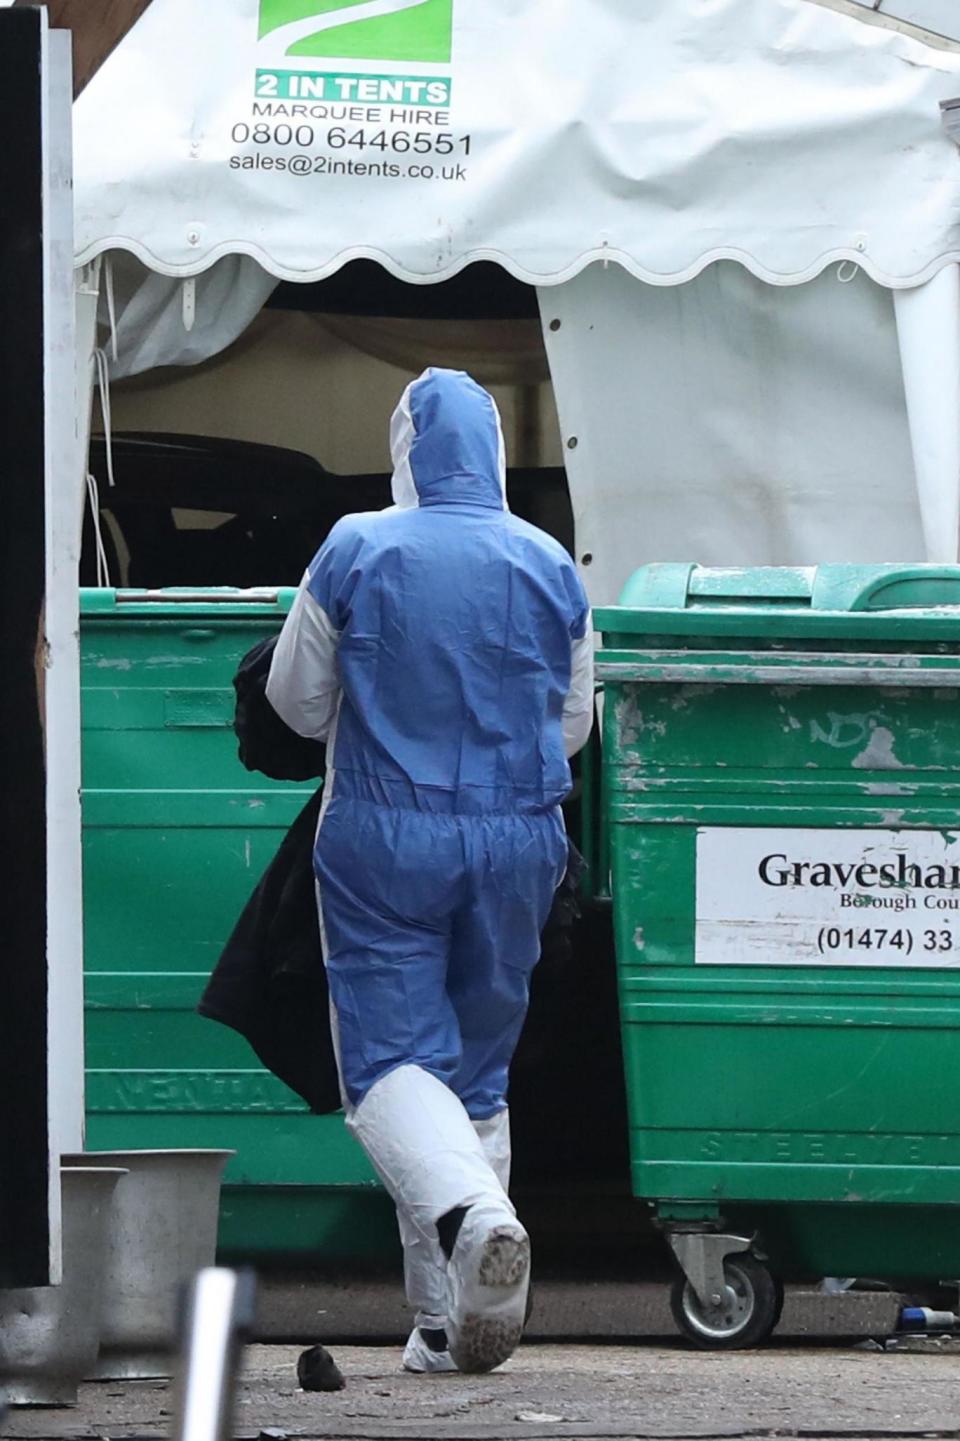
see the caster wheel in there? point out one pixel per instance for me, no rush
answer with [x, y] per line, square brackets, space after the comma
[747, 1313]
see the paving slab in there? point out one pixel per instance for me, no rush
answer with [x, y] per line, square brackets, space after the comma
[547, 1392]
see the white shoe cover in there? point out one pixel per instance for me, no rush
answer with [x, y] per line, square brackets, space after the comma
[488, 1277]
[419, 1357]
[424, 1264]
[494, 1136]
[424, 1147]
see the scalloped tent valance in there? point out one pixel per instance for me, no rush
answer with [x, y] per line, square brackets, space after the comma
[426, 134]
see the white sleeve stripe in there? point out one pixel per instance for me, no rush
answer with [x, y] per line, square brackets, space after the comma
[578, 708]
[304, 685]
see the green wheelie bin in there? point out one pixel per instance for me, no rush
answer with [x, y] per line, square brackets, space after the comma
[781, 794]
[175, 836]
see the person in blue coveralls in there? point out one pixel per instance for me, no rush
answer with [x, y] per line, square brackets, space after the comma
[443, 650]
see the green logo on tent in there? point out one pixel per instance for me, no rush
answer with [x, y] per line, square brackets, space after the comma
[416, 30]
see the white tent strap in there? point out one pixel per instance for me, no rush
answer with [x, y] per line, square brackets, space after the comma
[103, 386]
[93, 490]
[87, 301]
[103, 567]
[189, 303]
[111, 306]
[88, 277]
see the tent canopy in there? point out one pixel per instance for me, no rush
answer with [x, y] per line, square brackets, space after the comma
[541, 134]
[741, 416]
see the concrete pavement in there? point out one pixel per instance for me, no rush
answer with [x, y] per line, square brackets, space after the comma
[548, 1392]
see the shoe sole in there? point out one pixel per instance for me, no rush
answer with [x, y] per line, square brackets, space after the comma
[485, 1341]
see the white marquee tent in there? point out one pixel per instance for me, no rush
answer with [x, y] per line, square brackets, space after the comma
[742, 218]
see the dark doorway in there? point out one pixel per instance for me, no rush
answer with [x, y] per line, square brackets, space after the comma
[24, 1238]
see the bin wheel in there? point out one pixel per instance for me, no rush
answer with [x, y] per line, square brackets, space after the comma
[750, 1308]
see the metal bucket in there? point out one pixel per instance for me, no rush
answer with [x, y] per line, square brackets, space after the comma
[49, 1335]
[164, 1230]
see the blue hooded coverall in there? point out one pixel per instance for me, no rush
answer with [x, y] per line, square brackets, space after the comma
[443, 650]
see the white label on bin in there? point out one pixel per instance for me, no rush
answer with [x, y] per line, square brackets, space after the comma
[827, 898]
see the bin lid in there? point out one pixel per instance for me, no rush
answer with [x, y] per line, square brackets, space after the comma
[214, 602]
[888, 602]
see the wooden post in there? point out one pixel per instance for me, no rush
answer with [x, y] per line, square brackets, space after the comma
[98, 26]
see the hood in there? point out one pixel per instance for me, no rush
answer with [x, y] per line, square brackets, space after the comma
[447, 444]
